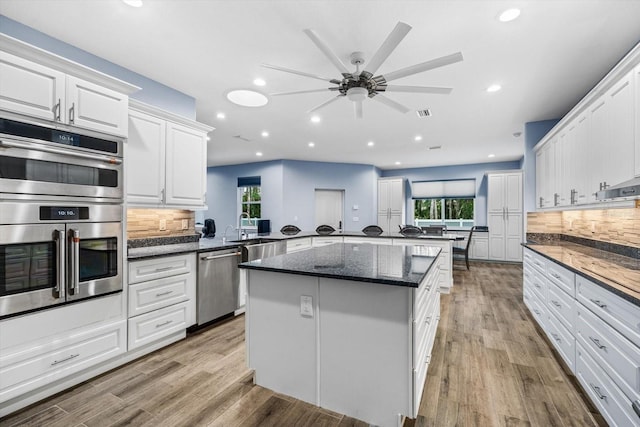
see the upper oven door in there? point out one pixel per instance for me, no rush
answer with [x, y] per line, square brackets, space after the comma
[94, 259]
[32, 267]
[32, 168]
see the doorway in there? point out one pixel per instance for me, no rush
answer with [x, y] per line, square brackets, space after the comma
[330, 208]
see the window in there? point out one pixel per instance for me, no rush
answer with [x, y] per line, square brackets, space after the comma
[249, 200]
[449, 212]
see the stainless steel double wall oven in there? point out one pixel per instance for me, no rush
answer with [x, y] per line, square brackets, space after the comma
[61, 195]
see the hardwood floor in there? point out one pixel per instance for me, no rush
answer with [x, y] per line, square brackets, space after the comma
[490, 367]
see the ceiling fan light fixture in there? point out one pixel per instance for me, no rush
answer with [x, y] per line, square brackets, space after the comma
[509, 15]
[247, 98]
[357, 94]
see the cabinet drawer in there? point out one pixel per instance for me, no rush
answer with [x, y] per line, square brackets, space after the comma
[613, 352]
[148, 296]
[157, 268]
[539, 263]
[539, 286]
[620, 314]
[607, 397]
[52, 359]
[298, 244]
[323, 241]
[539, 312]
[562, 277]
[160, 323]
[527, 257]
[371, 240]
[563, 341]
[562, 306]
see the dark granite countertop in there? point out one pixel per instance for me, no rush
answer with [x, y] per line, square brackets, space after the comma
[617, 273]
[363, 262]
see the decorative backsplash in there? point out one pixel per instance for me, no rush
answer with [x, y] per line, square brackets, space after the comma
[619, 226]
[145, 223]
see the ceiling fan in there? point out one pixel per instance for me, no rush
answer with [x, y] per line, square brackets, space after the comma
[358, 85]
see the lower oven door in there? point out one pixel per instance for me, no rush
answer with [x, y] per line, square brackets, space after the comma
[32, 267]
[94, 259]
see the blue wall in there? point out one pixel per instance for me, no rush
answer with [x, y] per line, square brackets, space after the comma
[476, 171]
[152, 92]
[533, 133]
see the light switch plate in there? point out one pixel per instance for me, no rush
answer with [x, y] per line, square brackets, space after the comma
[306, 305]
[163, 224]
[185, 224]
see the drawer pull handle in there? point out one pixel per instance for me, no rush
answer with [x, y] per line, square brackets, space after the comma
[598, 303]
[597, 343]
[161, 294]
[536, 311]
[536, 285]
[556, 337]
[158, 270]
[428, 320]
[427, 359]
[73, 356]
[636, 407]
[159, 325]
[556, 303]
[598, 393]
[557, 276]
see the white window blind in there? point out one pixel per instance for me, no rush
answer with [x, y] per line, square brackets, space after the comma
[451, 189]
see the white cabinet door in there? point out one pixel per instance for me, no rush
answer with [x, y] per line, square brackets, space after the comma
[636, 74]
[186, 165]
[505, 221]
[513, 237]
[545, 171]
[31, 89]
[145, 158]
[94, 107]
[540, 176]
[598, 146]
[619, 164]
[497, 235]
[579, 157]
[479, 247]
[384, 197]
[513, 192]
[496, 197]
[396, 196]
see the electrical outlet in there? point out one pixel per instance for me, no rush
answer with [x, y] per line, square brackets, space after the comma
[163, 225]
[185, 224]
[306, 306]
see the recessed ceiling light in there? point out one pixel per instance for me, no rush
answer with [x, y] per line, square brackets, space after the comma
[491, 155]
[509, 15]
[247, 98]
[221, 115]
[264, 134]
[208, 138]
[418, 138]
[397, 163]
[370, 143]
[315, 119]
[259, 153]
[311, 144]
[494, 88]
[259, 82]
[133, 3]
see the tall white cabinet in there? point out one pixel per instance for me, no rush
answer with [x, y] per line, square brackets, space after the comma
[391, 203]
[504, 215]
[166, 159]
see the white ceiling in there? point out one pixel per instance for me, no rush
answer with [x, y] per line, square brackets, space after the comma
[545, 61]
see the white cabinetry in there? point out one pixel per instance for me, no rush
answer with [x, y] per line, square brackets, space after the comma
[504, 216]
[49, 88]
[391, 204]
[166, 159]
[445, 261]
[299, 244]
[479, 248]
[636, 76]
[325, 240]
[161, 298]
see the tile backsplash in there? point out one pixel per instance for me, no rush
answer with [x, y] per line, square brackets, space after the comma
[620, 226]
[145, 223]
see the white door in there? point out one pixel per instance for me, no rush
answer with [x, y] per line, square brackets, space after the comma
[186, 163]
[145, 159]
[329, 208]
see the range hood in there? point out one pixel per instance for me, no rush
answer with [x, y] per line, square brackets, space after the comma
[629, 188]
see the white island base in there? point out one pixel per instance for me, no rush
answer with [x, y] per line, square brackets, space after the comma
[358, 348]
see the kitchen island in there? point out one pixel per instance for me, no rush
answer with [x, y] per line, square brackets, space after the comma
[347, 327]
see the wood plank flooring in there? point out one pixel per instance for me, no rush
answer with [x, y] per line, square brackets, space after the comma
[490, 367]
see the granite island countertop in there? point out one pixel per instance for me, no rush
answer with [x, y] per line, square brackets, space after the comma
[617, 273]
[383, 264]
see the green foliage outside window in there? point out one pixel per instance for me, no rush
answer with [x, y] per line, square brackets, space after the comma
[251, 204]
[443, 211]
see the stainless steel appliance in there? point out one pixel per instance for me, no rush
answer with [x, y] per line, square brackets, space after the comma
[53, 252]
[218, 281]
[629, 188]
[263, 250]
[41, 160]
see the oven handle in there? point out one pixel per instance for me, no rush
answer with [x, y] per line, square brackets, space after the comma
[27, 146]
[59, 290]
[74, 261]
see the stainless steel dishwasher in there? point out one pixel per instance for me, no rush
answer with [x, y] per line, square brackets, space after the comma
[218, 282]
[263, 250]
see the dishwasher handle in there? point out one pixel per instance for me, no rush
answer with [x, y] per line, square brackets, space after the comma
[210, 257]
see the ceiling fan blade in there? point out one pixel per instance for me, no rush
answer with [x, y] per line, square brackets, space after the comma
[327, 51]
[419, 89]
[317, 107]
[300, 73]
[393, 40]
[358, 107]
[419, 68]
[393, 104]
[296, 92]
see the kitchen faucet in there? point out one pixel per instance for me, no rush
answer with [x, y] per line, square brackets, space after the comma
[240, 232]
[224, 236]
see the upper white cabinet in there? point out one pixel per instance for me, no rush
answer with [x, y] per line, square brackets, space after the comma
[597, 145]
[166, 159]
[504, 215]
[40, 85]
[390, 203]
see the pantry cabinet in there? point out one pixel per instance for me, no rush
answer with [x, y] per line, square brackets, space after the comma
[166, 159]
[391, 204]
[504, 215]
[59, 91]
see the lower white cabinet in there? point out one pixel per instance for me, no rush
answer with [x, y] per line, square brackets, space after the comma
[479, 248]
[445, 261]
[325, 240]
[371, 240]
[299, 244]
[162, 298]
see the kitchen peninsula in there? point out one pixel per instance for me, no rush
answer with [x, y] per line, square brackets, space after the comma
[348, 326]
